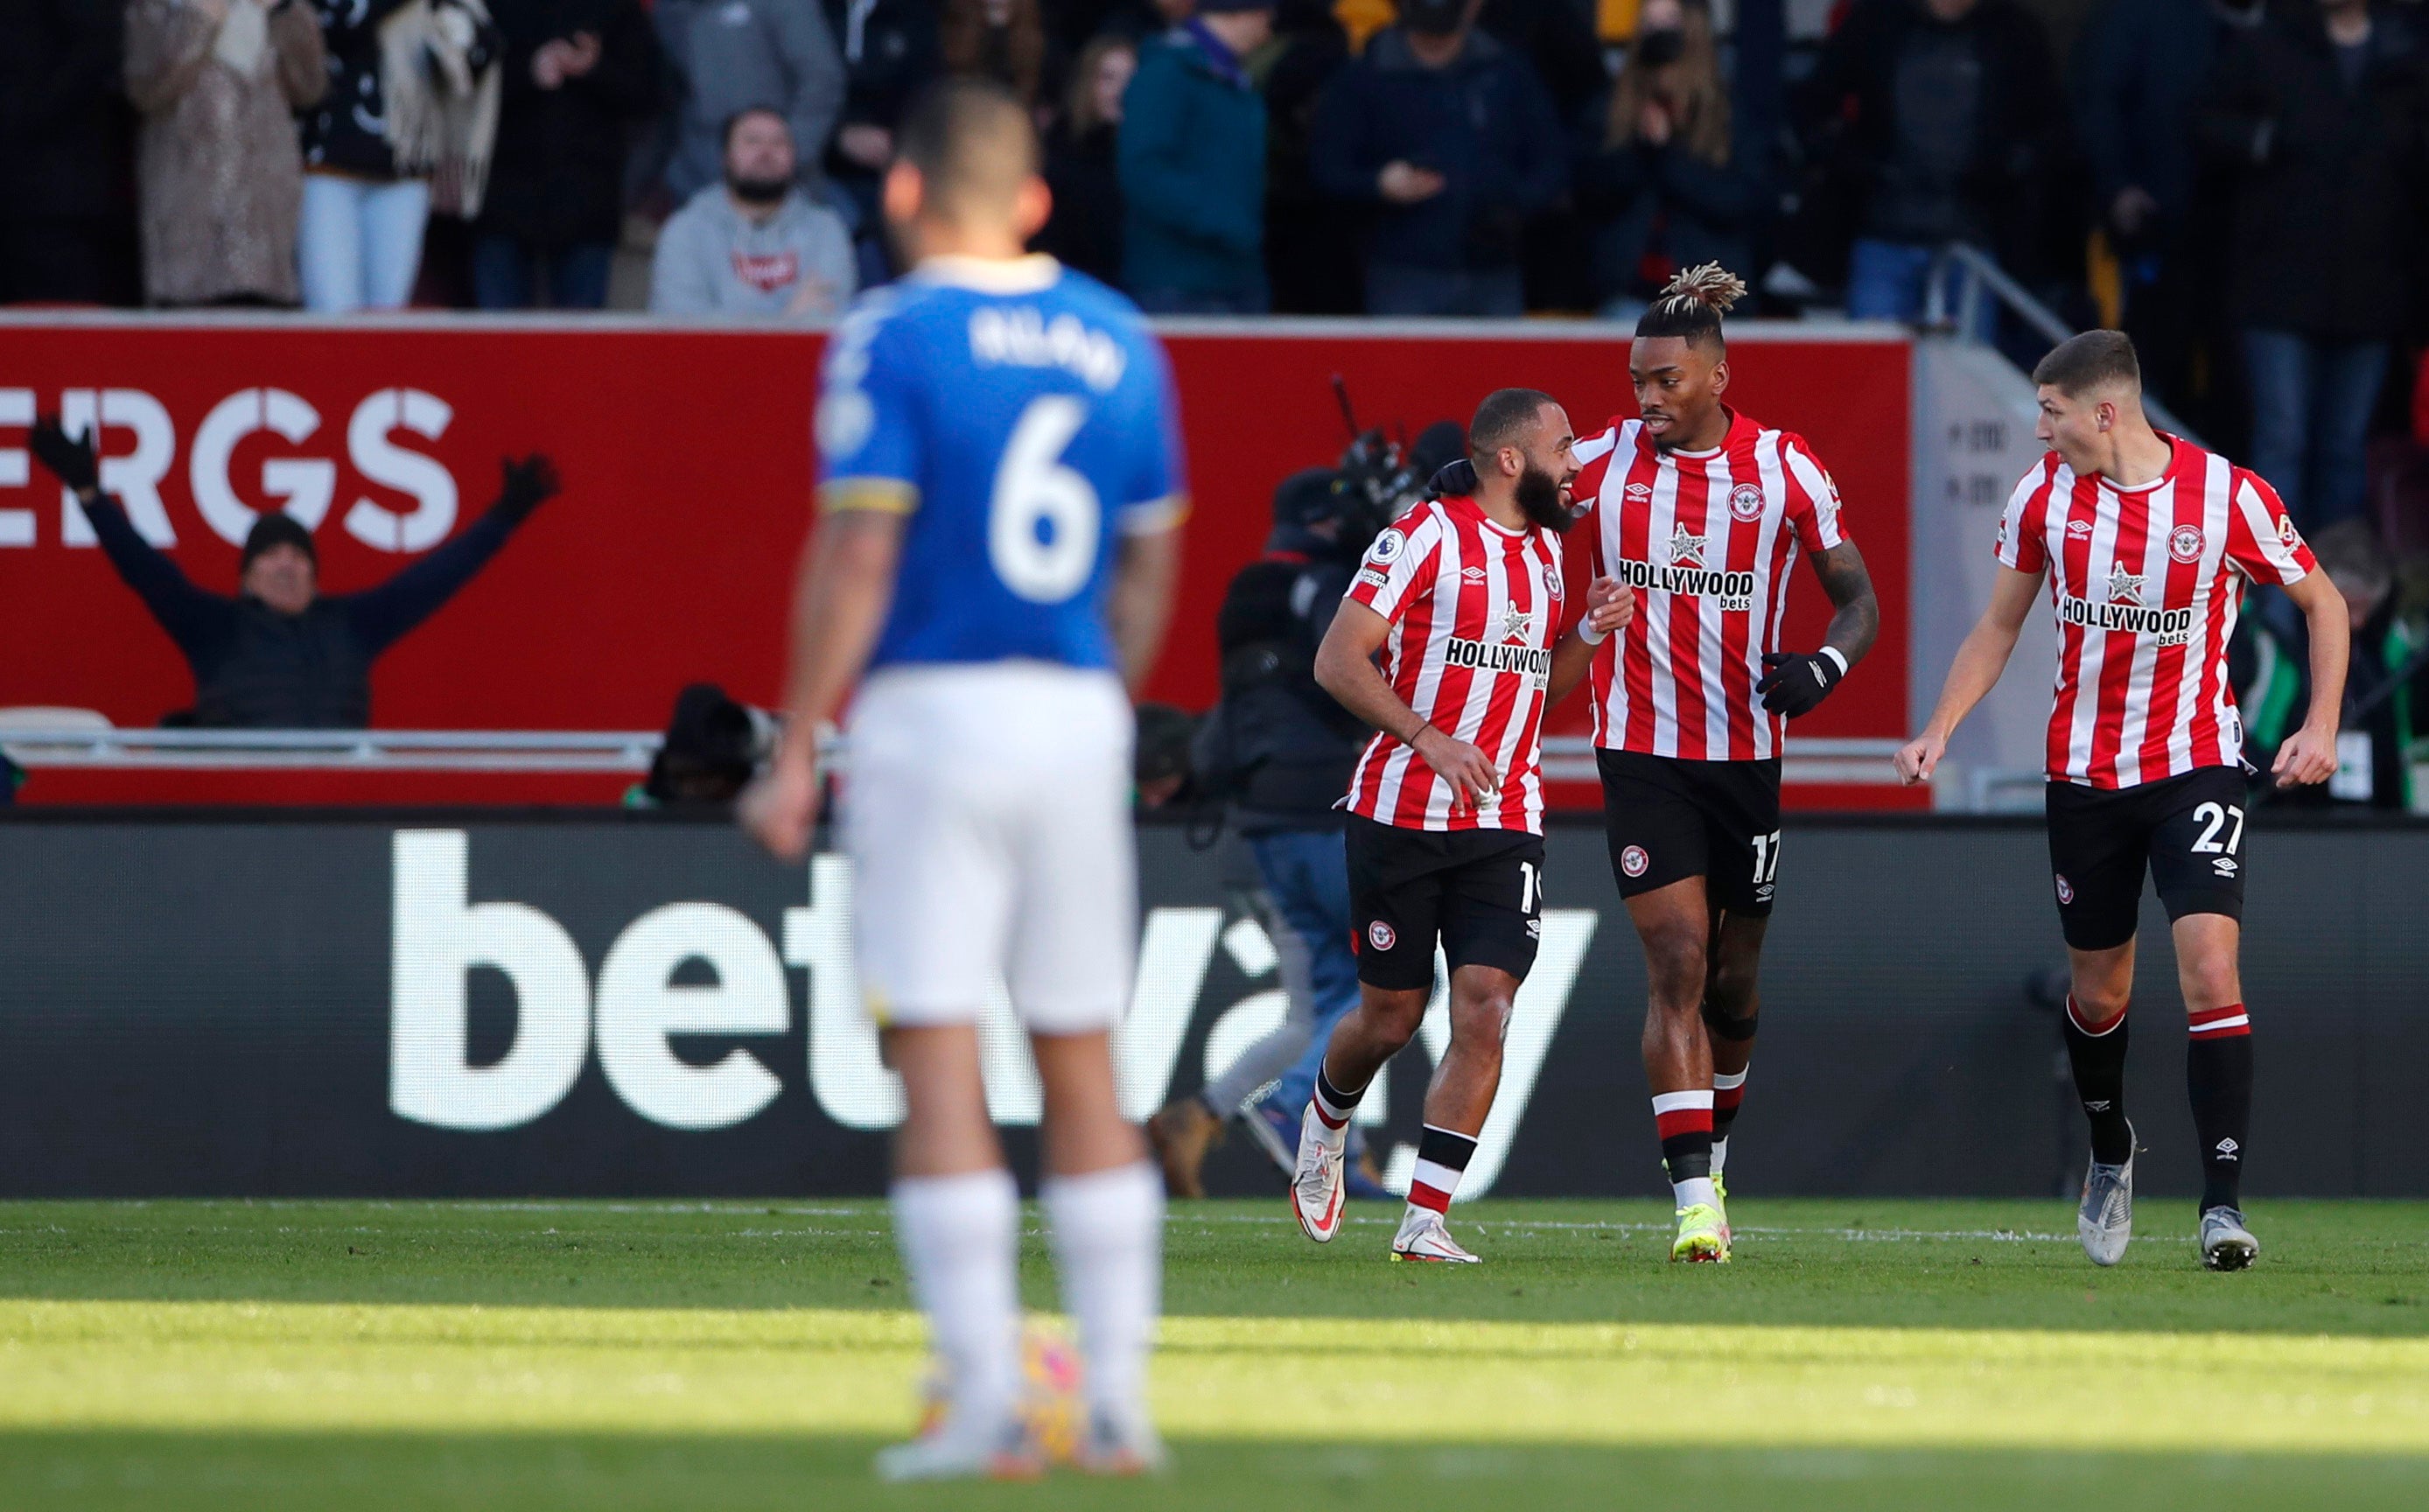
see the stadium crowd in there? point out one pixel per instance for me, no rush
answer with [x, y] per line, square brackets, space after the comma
[2237, 182]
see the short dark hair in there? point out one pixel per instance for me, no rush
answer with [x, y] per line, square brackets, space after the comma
[2094, 359]
[725, 134]
[972, 141]
[1691, 304]
[1503, 419]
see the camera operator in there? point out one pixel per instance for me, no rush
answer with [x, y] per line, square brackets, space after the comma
[1280, 752]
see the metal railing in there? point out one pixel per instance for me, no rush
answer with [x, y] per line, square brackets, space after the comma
[1566, 758]
[1978, 276]
[365, 751]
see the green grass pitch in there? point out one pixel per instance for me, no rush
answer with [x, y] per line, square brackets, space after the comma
[732, 1355]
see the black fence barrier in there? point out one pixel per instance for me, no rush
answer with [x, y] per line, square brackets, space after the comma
[404, 1005]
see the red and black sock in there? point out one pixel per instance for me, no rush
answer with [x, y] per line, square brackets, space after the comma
[1333, 1106]
[1684, 1120]
[2097, 1053]
[2218, 1074]
[1442, 1157]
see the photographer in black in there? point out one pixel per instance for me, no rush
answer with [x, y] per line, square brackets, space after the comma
[1279, 750]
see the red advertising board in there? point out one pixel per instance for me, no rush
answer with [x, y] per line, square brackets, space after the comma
[686, 460]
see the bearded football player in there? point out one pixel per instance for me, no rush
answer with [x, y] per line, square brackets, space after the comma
[1461, 601]
[1700, 511]
[2149, 543]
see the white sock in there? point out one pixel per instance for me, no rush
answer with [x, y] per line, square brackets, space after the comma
[1720, 1156]
[1107, 1229]
[960, 1238]
[1695, 1190]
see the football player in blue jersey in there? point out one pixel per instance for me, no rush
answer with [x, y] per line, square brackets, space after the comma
[1001, 497]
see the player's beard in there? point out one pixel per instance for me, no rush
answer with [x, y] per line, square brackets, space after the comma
[1540, 500]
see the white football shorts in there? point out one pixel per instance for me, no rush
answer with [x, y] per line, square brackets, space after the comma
[987, 815]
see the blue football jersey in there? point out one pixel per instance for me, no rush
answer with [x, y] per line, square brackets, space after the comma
[1021, 417]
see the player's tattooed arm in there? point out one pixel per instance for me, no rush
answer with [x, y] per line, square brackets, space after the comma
[1138, 609]
[1795, 683]
[1857, 620]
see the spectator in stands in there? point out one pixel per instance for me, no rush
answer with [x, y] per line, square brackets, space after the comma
[63, 236]
[740, 55]
[2140, 66]
[578, 74]
[754, 245]
[2318, 117]
[1193, 167]
[1311, 261]
[1939, 118]
[1655, 177]
[1081, 168]
[1450, 136]
[1557, 37]
[218, 175]
[280, 655]
[889, 54]
[1004, 40]
[413, 90]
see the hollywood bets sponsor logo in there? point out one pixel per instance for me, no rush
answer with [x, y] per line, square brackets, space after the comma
[2124, 611]
[1526, 661]
[1687, 574]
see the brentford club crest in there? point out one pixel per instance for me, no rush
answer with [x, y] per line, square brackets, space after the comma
[2184, 544]
[2065, 889]
[1379, 935]
[1745, 502]
[1633, 861]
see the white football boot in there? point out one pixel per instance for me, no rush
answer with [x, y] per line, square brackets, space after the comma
[1424, 1237]
[1316, 1189]
[2105, 1220]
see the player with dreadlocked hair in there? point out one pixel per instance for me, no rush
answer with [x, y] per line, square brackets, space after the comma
[1698, 509]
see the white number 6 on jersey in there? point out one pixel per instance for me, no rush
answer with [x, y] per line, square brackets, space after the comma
[1032, 488]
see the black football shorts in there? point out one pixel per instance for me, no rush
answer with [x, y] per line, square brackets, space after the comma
[1668, 819]
[1480, 892]
[2187, 832]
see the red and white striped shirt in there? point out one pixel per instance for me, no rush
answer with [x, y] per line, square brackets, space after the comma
[2146, 583]
[1474, 610]
[1708, 540]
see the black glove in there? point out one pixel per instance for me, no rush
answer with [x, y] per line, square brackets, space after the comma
[73, 459]
[1795, 684]
[1457, 479]
[527, 483]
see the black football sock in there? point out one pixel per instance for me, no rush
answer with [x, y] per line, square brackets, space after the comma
[2099, 1062]
[2218, 1074]
[1333, 1106]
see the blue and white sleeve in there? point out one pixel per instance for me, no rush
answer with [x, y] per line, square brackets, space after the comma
[869, 417]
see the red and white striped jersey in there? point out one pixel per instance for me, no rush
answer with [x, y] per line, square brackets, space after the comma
[2146, 583]
[1708, 540]
[1474, 610]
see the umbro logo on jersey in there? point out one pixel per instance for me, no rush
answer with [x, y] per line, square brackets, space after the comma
[2124, 586]
[1745, 502]
[1473, 574]
[2184, 544]
[1687, 549]
[2095, 1105]
[2226, 1149]
[1639, 490]
[2079, 529]
[2223, 866]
